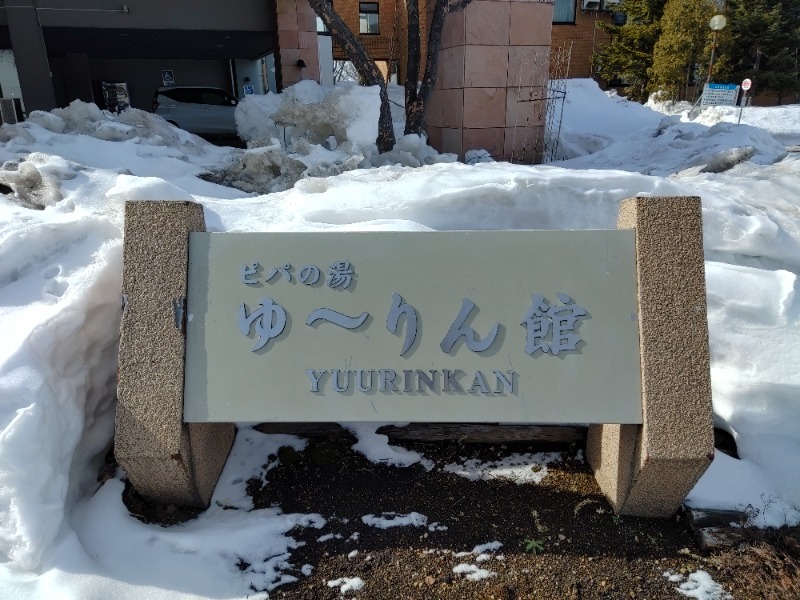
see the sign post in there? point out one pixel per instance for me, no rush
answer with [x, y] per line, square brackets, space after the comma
[719, 94]
[600, 327]
[409, 326]
[746, 85]
[167, 77]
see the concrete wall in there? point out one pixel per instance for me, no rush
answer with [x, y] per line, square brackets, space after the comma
[9, 80]
[249, 72]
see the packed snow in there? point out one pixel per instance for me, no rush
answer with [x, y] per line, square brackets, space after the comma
[311, 165]
[698, 585]
[519, 468]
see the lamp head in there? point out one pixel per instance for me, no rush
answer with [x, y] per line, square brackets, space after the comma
[718, 22]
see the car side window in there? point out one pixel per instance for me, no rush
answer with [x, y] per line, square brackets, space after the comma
[185, 95]
[217, 98]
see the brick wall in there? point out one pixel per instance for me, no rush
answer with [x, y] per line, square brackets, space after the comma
[392, 41]
[586, 38]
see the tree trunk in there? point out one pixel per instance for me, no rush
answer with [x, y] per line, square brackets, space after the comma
[413, 60]
[365, 66]
[417, 102]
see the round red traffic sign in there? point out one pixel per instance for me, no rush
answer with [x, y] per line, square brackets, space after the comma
[746, 84]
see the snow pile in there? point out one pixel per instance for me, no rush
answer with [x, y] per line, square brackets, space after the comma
[673, 146]
[59, 305]
[519, 468]
[220, 551]
[84, 118]
[392, 519]
[313, 131]
[347, 584]
[592, 119]
[375, 447]
[482, 554]
[473, 572]
[698, 585]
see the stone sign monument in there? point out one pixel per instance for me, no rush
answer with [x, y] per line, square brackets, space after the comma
[593, 327]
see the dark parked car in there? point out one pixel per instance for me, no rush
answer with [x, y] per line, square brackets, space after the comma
[197, 109]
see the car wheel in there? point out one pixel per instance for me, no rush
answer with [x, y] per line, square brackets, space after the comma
[174, 123]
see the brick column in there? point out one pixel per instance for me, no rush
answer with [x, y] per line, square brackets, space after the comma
[297, 40]
[493, 70]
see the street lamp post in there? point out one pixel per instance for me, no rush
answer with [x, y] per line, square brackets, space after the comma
[717, 24]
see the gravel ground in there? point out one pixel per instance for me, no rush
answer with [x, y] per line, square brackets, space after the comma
[490, 539]
[560, 538]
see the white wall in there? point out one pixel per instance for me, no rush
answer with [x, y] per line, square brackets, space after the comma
[325, 46]
[8, 76]
[249, 69]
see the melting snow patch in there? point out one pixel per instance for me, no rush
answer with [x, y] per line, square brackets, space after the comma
[392, 519]
[519, 468]
[329, 536]
[347, 584]
[482, 549]
[437, 527]
[472, 572]
[353, 554]
[307, 570]
[698, 585]
[375, 447]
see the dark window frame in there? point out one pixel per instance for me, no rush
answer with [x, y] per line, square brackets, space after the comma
[564, 17]
[364, 10]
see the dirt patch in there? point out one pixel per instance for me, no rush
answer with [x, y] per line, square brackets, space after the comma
[559, 537]
[488, 539]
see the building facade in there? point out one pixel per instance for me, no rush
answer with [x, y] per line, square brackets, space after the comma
[575, 32]
[66, 49]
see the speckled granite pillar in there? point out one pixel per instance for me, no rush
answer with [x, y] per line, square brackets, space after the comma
[165, 459]
[647, 470]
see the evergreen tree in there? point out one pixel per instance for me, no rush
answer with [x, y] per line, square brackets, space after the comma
[762, 43]
[685, 36]
[629, 56]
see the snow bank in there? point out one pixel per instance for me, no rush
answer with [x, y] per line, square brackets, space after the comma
[313, 131]
[70, 173]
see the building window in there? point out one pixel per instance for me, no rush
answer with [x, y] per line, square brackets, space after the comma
[368, 18]
[564, 11]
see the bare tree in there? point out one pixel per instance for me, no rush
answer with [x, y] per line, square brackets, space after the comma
[343, 70]
[366, 67]
[417, 93]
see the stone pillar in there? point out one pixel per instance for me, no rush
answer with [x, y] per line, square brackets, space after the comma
[492, 85]
[647, 470]
[297, 40]
[165, 459]
[30, 55]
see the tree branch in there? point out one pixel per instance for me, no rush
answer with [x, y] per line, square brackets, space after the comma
[365, 66]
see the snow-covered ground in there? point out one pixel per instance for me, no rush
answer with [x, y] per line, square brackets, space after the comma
[71, 171]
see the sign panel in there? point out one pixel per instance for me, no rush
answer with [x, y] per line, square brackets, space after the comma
[167, 77]
[719, 94]
[747, 84]
[512, 326]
